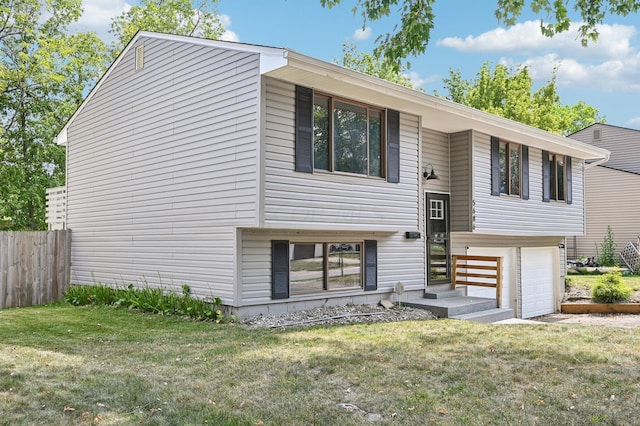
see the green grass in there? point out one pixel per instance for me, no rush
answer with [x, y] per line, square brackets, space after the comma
[112, 366]
[589, 281]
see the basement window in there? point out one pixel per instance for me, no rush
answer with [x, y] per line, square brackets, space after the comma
[302, 268]
[325, 266]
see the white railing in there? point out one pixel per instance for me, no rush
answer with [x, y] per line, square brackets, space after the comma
[631, 256]
[57, 208]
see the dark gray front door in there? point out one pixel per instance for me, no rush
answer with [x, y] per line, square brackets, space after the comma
[438, 250]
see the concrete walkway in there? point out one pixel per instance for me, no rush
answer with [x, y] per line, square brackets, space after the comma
[608, 320]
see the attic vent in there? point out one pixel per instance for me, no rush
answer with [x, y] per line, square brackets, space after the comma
[597, 134]
[140, 57]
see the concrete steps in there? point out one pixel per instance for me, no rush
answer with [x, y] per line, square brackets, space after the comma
[456, 305]
[488, 316]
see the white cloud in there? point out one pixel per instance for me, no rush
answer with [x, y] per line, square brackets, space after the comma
[419, 81]
[362, 33]
[526, 38]
[228, 35]
[97, 15]
[608, 76]
[610, 64]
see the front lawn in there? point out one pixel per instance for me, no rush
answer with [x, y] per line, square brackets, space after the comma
[101, 365]
[588, 281]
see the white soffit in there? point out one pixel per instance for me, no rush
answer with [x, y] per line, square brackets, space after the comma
[437, 113]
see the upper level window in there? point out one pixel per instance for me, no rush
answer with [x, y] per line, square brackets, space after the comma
[509, 168]
[347, 137]
[339, 135]
[556, 177]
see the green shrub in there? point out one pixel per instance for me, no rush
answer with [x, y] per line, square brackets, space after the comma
[611, 288]
[147, 299]
[607, 250]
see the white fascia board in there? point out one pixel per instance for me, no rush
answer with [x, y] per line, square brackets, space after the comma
[437, 113]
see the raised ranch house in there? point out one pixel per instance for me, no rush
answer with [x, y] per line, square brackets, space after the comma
[279, 182]
[612, 197]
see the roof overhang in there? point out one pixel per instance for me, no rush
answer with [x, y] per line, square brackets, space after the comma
[436, 113]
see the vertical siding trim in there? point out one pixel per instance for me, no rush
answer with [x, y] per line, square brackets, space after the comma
[279, 269]
[495, 166]
[370, 265]
[393, 146]
[569, 190]
[525, 172]
[304, 129]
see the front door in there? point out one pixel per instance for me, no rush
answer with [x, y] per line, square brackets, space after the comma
[438, 250]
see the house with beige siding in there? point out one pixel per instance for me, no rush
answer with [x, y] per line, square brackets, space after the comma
[279, 182]
[612, 195]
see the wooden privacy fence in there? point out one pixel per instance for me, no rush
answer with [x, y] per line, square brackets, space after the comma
[34, 267]
[483, 271]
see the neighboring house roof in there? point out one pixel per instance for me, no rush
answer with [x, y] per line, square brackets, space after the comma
[436, 113]
[622, 142]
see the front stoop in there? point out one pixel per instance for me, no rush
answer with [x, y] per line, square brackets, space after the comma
[454, 304]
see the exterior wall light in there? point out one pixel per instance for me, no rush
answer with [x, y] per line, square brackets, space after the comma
[428, 173]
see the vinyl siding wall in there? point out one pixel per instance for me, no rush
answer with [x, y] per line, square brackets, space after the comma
[322, 200]
[326, 207]
[162, 167]
[461, 181]
[511, 215]
[611, 195]
[612, 200]
[624, 145]
[399, 260]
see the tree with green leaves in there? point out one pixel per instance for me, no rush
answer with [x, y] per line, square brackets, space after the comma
[509, 93]
[44, 75]
[411, 35]
[181, 17]
[367, 63]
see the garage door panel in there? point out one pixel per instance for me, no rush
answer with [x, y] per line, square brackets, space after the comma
[539, 269]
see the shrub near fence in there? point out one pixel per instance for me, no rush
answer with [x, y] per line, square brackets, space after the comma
[34, 267]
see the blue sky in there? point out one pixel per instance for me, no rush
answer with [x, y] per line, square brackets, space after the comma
[605, 75]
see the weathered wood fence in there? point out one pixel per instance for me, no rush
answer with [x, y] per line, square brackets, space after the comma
[34, 267]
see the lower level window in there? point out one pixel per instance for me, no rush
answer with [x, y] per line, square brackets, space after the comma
[316, 267]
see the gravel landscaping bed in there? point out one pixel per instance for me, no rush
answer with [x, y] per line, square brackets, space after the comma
[347, 314]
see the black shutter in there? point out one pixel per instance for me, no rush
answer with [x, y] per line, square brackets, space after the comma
[524, 179]
[495, 166]
[567, 172]
[546, 177]
[393, 146]
[304, 129]
[279, 269]
[370, 265]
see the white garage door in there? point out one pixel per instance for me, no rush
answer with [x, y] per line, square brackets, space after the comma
[539, 271]
[508, 275]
